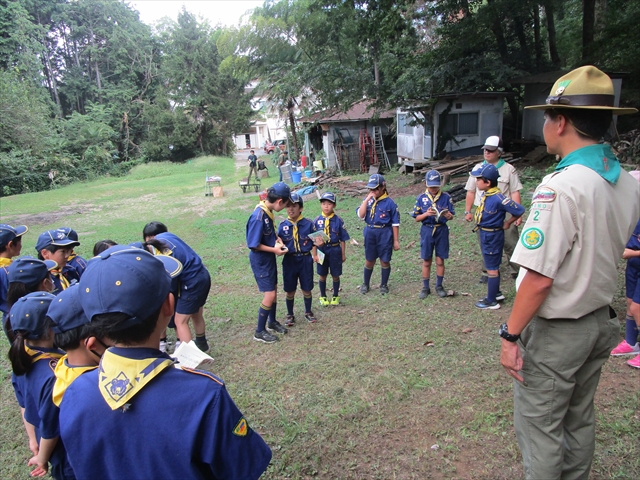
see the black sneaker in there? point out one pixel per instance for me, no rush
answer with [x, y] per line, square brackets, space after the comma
[276, 327]
[264, 337]
[424, 293]
[440, 291]
[364, 288]
[311, 318]
[384, 289]
[201, 343]
[499, 296]
[484, 279]
[291, 320]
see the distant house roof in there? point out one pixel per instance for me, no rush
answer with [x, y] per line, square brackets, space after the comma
[358, 112]
[455, 95]
[551, 77]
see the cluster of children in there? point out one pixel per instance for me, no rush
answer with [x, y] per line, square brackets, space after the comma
[83, 361]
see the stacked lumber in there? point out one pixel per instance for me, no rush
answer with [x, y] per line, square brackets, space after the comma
[457, 193]
[535, 155]
[333, 182]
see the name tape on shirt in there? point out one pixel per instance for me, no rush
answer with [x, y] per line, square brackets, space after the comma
[544, 194]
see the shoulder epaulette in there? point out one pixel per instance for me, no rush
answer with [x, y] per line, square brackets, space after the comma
[204, 374]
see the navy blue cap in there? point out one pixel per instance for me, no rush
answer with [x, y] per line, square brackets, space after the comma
[65, 311]
[432, 177]
[69, 232]
[8, 233]
[328, 196]
[29, 314]
[54, 237]
[486, 170]
[30, 271]
[127, 280]
[172, 265]
[295, 198]
[281, 190]
[375, 180]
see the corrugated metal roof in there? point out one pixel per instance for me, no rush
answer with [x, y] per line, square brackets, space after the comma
[358, 112]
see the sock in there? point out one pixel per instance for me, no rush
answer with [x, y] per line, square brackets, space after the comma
[323, 287]
[289, 302]
[307, 303]
[631, 332]
[201, 335]
[272, 313]
[439, 279]
[367, 275]
[425, 284]
[336, 288]
[493, 286]
[263, 314]
[384, 274]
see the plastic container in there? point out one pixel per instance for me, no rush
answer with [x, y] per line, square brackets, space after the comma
[317, 165]
[308, 173]
[296, 177]
[303, 160]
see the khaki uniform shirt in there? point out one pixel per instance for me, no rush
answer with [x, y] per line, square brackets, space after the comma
[575, 234]
[508, 182]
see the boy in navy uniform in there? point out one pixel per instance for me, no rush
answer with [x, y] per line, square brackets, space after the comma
[381, 235]
[10, 246]
[55, 245]
[490, 219]
[75, 263]
[334, 250]
[264, 245]
[297, 263]
[109, 417]
[433, 209]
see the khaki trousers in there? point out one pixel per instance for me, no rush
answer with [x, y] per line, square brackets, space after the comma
[554, 417]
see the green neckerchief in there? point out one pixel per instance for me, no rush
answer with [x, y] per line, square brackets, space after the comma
[500, 163]
[598, 157]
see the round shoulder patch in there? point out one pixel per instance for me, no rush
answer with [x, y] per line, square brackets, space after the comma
[532, 238]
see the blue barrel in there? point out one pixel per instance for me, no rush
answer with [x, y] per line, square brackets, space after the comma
[296, 177]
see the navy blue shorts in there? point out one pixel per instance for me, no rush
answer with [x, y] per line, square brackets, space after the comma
[632, 279]
[492, 244]
[378, 243]
[297, 267]
[194, 294]
[332, 261]
[265, 270]
[430, 242]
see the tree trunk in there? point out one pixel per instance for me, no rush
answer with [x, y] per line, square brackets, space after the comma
[536, 35]
[292, 124]
[588, 28]
[496, 28]
[53, 83]
[522, 40]
[551, 29]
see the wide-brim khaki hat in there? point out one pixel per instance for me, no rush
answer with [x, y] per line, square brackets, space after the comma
[586, 88]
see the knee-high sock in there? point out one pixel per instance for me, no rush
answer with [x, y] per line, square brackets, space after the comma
[439, 279]
[631, 331]
[384, 274]
[322, 284]
[425, 284]
[289, 302]
[367, 275]
[307, 303]
[493, 286]
[263, 314]
[272, 312]
[336, 288]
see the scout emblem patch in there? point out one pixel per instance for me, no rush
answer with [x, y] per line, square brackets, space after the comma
[532, 238]
[241, 428]
[562, 87]
[544, 194]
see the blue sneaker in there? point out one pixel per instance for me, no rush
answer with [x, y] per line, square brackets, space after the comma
[484, 304]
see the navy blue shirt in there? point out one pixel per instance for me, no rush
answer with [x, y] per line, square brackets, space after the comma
[213, 440]
[423, 203]
[495, 210]
[192, 265]
[385, 215]
[305, 227]
[260, 230]
[634, 241]
[337, 231]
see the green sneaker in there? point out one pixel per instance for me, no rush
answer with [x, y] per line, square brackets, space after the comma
[324, 301]
[335, 301]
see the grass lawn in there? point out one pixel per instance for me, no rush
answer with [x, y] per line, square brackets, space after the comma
[378, 388]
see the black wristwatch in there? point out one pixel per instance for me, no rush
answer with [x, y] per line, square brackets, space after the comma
[504, 333]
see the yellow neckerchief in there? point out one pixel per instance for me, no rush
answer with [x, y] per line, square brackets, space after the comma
[263, 205]
[478, 215]
[5, 262]
[72, 256]
[64, 283]
[37, 355]
[296, 239]
[120, 378]
[65, 375]
[327, 219]
[433, 200]
[375, 202]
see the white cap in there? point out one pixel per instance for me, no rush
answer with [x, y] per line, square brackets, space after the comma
[492, 143]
